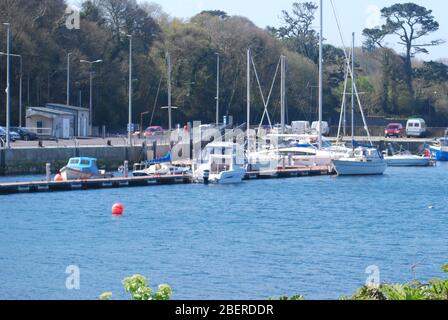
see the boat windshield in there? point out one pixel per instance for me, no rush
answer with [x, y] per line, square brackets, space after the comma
[85, 162]
[74, 161]
[444, 142]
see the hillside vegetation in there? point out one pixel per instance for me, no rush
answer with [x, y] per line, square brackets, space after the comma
[39, 33]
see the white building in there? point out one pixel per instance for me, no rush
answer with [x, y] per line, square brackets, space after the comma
[58, 120]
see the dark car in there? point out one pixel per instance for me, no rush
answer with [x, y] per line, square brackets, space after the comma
[12, 135]
[25, 134]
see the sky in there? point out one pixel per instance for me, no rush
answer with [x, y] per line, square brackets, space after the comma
[354, 16]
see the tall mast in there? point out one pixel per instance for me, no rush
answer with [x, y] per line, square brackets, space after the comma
[217, 89]
[320, 73]
[283, 93]
[248, 97]
[168, 58]
[353, 87]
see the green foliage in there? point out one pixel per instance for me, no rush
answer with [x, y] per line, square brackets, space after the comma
[106, 296]
[413, 291]
[409, 22]
[298, 297]
[38, 27]
[367, 293]
[137, 286]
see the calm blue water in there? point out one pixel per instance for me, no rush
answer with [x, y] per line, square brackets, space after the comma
[314, 236]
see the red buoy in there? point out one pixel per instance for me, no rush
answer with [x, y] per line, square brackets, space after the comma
[58, 178]
[117, 209]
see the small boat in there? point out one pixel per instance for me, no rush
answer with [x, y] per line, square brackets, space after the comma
[439, 150]
[83, 168]
[408, 160]
[161, 166]
[361, 161]
[403, 158]
[221, 163]
[161, 169]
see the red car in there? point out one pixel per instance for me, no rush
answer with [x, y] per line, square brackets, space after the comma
[394, 130]
[153, 131]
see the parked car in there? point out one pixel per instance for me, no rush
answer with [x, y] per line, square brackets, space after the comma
[12, 135]
[394, 130]
[416, 127]
[25, 134]
[277, 129]
[325, 127]
[300, 127]
[153, 131]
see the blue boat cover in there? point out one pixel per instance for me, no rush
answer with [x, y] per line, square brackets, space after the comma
[165, 158]
[357, 144]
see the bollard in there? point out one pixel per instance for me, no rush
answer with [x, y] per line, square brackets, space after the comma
[154, 149]
[126, 169]
[48, 171]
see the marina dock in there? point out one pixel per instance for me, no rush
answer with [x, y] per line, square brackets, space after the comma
[123, 182]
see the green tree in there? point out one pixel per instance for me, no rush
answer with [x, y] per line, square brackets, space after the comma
[410, 22]
[298, 32]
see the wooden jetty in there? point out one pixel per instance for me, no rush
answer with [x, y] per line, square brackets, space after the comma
[47, 186]
[76, 185]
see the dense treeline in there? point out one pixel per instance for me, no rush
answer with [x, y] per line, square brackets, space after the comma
[40, 35]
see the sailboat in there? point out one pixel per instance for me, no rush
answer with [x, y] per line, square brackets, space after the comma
[362, 159]
[291, 149]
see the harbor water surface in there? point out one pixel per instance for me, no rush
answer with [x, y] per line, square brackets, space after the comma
[313, 236]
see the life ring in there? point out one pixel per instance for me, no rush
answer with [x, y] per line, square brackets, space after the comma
[427, 153]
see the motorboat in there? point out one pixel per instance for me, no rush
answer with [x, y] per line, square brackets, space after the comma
[221, 163]
[161, 166]
[361, 161]
[161, 169]
[82, 168]
[403, 158]
[439, 149]
[408, 160]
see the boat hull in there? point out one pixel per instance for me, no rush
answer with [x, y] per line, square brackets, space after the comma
[73, 174]
[354, 168]
[228, 177]
[438, 154]
[411, 161]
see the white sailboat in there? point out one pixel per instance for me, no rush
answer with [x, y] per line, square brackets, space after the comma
[362, 160]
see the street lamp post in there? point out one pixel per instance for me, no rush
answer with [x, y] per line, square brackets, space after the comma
[8, 96]
[217, 89]
[20, 86]
[91, 63]
[130, 91]
[68, 78]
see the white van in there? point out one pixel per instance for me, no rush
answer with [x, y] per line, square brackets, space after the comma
[325, 127]
[416, 128]
[300, 127]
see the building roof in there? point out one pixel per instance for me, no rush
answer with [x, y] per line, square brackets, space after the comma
[64, 106]
[51, 111]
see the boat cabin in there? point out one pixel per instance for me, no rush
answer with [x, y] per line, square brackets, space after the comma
[83, 164]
